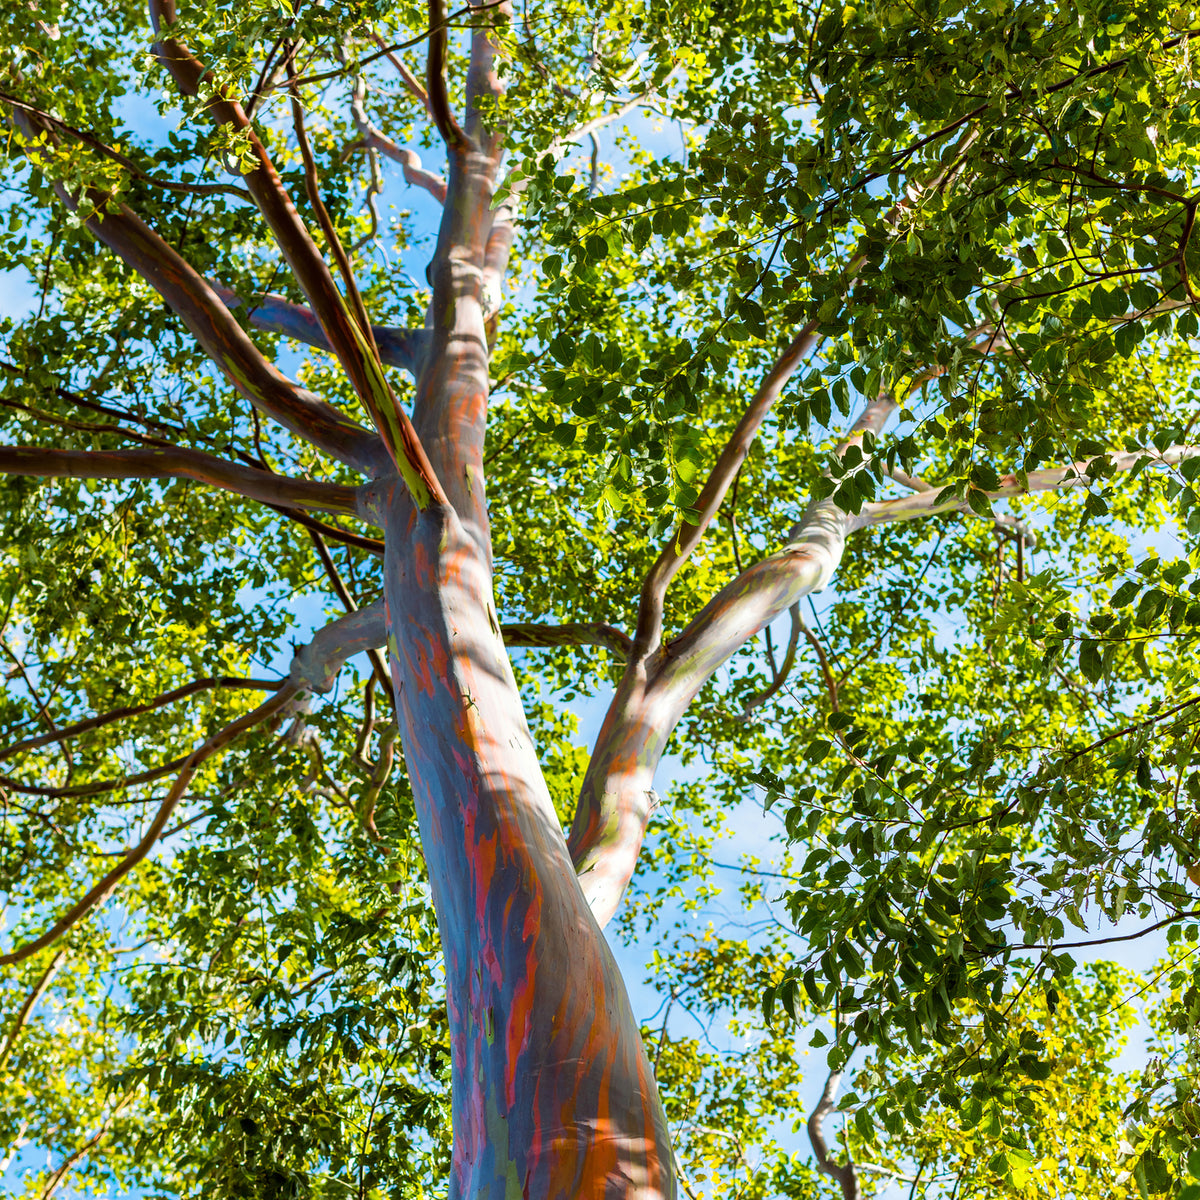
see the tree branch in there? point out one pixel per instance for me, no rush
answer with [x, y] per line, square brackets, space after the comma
[315, 666]
[135, 710]
[213, 326]
[846, 1176]
[410, 81]
[348, 336]
[435, 80]
[571, 634]
[272, 313]
[179, 463]
[930, 503]
[409, 160]
[107, 885]
[56, 1180]
[194, 189]
[351, 606]
[22, 1017]
[370, 545]
[789, 657]
[648, 636]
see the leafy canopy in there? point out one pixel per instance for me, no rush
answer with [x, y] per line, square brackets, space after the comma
[977, 749]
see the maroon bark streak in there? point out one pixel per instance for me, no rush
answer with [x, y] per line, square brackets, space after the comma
[274, 314]
[553, 1096]
[178, 463]
[349, 342]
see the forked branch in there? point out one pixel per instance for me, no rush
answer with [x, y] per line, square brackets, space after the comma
[214, 327]
[409, 160]
[22, 1017]
[846, 1175]
[435, 80]
[343, 322]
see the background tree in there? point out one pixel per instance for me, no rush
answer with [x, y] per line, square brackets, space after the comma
[967, 228]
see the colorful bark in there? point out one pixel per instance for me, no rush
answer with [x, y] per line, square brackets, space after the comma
[553, 1096]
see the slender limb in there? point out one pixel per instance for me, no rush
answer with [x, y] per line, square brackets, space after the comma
[314, 668]
[315, 665]
[503, 229]
[926, 504]
[617, 797]
[56, 1180]
[371, 545]
[846, 1176]
[22, 1017]
[214, 327]
[328, 229]
[78, 135]
[379, 772]
[648, 636]
[96, 788]
[571, 634]
[179, 463]
[411, 82]
[409, 160]
[274, 314]
[108, 884]
[789, 658]
[350, 605]
[435, 80]
[134, 710]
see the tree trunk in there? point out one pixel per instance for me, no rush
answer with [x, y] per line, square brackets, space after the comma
[553, 1095]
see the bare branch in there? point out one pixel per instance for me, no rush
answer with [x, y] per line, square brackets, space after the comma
[351, 606]
[194, 189]
[179, 463]
[312, 186]
[571, 634]
[435, 80]
[780, 675]
[371, 545]
[349, 336]
[315, 665]
[57, 1178]
[411, 82]
[213, 326]
[927, 504]
[409, 160]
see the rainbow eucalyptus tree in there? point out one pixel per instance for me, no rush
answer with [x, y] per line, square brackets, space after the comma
[578, 402]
